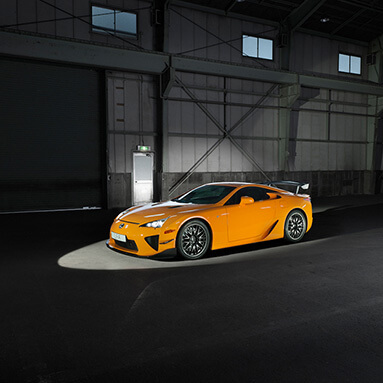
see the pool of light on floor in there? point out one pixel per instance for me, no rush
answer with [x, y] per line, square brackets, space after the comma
[98, 257]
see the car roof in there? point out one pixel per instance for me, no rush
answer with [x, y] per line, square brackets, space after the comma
[236, 184]
[239, 184]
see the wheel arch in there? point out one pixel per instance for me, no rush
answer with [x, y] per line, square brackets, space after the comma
[298, 229]
[302, 211]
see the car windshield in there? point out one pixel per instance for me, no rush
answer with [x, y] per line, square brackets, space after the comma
[208, 194]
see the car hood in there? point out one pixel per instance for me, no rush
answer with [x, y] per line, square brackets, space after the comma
[159, 210]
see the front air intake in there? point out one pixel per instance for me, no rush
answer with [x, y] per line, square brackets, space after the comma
[153, 241]
[129, 244]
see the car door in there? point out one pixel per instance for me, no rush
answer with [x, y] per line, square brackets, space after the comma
[249, 221]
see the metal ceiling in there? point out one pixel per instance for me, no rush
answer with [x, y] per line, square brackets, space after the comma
[359, 20]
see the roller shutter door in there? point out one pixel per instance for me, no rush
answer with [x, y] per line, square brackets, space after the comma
[51, 154]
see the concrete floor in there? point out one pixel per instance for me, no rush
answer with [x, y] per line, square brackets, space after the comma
[74, 311]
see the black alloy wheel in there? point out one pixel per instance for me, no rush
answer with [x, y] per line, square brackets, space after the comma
[193, 239]
[295, 226]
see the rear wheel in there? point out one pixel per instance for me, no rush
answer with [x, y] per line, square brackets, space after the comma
[193, 239]
[295, 226]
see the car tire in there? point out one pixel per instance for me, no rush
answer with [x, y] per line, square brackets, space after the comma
[193, 240]
[295, 226]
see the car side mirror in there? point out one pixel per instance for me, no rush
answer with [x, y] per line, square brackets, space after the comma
[273, 195]
[245, 200]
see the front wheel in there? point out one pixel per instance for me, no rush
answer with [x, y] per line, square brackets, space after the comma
[193, 240]
[295, 226]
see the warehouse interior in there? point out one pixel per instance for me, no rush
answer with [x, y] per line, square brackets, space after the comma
[114, 103]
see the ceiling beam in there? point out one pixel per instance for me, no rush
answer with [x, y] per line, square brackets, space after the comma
[302, 13]
[342, 85]
[187, 64]
[79, 53]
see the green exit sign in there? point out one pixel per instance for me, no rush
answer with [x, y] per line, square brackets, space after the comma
[143, 148]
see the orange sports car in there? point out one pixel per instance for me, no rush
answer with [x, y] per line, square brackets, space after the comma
[214, 216]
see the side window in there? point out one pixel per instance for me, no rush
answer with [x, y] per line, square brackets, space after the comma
[349, 64]
[234, 198]
[259, 47]
[258, 194]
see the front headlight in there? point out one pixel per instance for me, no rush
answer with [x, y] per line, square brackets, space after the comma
[155, 224]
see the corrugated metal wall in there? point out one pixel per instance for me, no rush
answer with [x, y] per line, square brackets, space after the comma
[192, 132]
[330, 140]
[314, 54]
[190, 30]
[327, 132]
[327, 129]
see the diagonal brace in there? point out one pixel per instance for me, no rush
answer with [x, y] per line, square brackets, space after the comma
[200, 105]
[226, 134]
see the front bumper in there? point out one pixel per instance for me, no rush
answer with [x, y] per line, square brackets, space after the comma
[141, 241]
[166, 254]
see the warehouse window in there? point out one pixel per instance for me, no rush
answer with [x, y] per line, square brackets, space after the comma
[115, 21]
[349, 64]
[257, 47]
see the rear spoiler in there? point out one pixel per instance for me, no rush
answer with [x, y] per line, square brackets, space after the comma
[292, 184]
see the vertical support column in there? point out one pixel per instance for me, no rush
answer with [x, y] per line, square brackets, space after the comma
[165, 111]
[379, 150]
[289, 94]
[284, 44]
[160, 21]
[369, 179]
[372, 162]
[375, 74]
[328, 121]
[224, 104]
[167, 81]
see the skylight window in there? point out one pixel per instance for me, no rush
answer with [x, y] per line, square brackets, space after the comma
[257, 47]
[114, 21]
[350, 64]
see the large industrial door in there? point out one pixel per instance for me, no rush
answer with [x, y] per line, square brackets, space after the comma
[51, 153]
